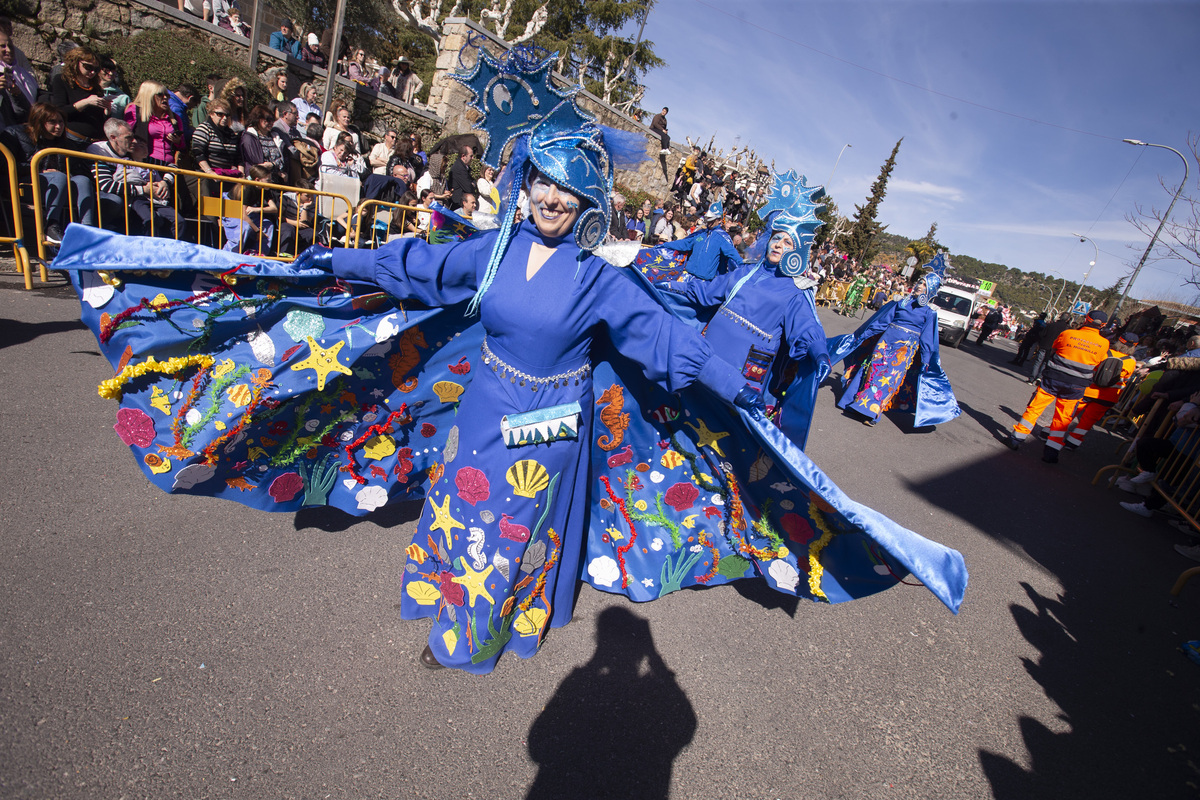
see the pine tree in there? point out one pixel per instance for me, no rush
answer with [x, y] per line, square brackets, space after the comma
[860, 241]
[930, 238]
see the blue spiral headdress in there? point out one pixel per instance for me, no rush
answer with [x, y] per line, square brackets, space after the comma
[791, 208]
[933, 277]
[519, 104]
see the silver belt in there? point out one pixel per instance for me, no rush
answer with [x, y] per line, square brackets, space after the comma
[906, 330]
[747, 324]
[514, 375]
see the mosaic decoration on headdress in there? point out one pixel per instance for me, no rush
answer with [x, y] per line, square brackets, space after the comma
[513, 94]
[794, 203]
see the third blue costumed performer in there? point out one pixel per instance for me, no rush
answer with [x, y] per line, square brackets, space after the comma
[893, 358]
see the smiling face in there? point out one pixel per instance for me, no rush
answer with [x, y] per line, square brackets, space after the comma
[343, 118]
[778, 247]
[554, 210]
[8, 52]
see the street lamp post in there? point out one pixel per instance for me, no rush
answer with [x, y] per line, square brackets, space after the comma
[1166, 216]
[1091, 266]
[835, 164]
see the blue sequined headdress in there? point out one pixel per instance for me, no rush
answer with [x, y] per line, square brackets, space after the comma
[934, 275]
[519, 105]
[791, 208]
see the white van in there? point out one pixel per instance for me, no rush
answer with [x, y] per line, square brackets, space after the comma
[955, 302]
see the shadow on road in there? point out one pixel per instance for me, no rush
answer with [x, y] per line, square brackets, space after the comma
[615, 725]
[333, 520]
[13, 332]
[1106, 645]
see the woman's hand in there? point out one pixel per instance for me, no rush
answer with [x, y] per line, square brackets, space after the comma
[315, 257]
[749, 399]
[824, 367]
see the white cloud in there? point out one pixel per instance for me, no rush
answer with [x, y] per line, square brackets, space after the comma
[926, 188]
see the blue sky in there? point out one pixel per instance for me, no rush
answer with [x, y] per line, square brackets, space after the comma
[798, 80]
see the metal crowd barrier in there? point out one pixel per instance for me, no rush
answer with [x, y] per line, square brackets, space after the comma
[17, 240]
[374, 213]
[213, 217]
[1177, 477]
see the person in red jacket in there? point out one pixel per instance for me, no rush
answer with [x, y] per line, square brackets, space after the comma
[1068, 374]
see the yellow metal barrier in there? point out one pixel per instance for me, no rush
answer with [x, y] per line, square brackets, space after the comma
[376, 211]
[17, 240]
[224, 203]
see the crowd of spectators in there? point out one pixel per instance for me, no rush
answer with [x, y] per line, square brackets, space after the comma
[85, 107]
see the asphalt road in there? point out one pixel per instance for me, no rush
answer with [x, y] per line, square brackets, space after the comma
[155, 646]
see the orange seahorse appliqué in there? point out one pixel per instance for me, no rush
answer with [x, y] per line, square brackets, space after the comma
[403, 362]
[612, 418]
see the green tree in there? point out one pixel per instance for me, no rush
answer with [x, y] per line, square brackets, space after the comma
[920, 249]
[860, 241]
[583, 34]
[1107, 299]
[829, 216]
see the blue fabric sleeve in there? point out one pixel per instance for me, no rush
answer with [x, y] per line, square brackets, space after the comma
[412, 269]
[706, 294]
[805, 336]
[670, 352]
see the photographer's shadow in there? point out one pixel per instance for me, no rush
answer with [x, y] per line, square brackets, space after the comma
[616, 724]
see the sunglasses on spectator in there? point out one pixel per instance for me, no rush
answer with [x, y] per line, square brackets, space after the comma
[89, 66]
[221, 114]
[163, 95]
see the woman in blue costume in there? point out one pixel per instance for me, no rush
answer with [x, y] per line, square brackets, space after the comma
[893, 358]
[767, 306]
[542, 299]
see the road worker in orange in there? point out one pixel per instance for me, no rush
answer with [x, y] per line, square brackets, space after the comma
[1097, 401]
[1068, 374]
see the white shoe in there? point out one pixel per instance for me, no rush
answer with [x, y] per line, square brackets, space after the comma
[1192, 552]
[1183, 526]
[1128, 485]
[1138, 508]
[1143, 477]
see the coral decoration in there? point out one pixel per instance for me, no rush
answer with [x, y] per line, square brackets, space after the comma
[111, 388]
[286, 487]
[509, 530]
[797, 528]
[461, 368]
[681, 496]
[473, 486]
[134, 427]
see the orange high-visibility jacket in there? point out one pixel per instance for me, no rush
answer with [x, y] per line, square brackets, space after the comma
[1076, 353]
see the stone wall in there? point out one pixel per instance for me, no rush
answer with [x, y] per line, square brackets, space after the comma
[41, 27]
[461, 40]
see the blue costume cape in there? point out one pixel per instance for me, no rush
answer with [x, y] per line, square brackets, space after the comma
[926, 389]
[292, 391]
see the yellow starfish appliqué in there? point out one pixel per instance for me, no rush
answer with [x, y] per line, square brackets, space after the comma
[323, 361]
[442, 519]
[472, 581]
[708, 438]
